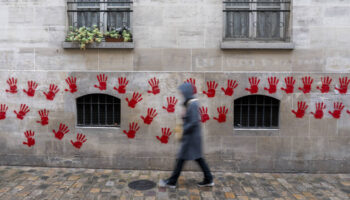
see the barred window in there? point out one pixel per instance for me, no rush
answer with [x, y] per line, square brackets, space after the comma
[105, 14]
[98, 110]
[256, 111]
[257, 20]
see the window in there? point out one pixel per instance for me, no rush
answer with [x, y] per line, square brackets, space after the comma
[105, 14]
[98, 110]
[266, 20]
[256, 111]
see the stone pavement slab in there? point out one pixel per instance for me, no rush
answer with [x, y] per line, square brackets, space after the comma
[31, 183]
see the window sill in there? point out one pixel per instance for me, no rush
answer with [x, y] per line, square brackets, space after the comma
[257, 45]
[102, 45]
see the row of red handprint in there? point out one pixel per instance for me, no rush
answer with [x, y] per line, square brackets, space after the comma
[134, 127]
[319, 113]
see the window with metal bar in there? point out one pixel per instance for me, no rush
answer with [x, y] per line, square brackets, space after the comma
[257, 20]
[98, 110]
[256, 112]
[105, 14]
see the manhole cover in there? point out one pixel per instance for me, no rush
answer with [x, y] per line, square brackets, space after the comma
[142, 185]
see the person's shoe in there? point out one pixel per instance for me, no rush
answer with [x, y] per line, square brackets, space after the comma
[165, 183]
[206, 184]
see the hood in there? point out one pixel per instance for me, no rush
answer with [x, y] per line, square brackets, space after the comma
[186, 90]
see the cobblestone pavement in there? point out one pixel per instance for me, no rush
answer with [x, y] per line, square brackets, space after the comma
[62, 183]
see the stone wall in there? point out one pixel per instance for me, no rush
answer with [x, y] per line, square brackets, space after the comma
[174, 40]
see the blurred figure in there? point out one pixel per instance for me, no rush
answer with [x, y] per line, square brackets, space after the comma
[191, 141]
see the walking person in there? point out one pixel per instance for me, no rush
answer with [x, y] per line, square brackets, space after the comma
[191, 141]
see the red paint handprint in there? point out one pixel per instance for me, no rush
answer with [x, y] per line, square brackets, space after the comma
[151, 113]
[344, 83]
[348, 111]
[212, 85]
[133, 128]
[307, 81]
[338, 108]
[231, 85]
[80, 141]
[192, 81]
[122, 85]
[301, 109]
[204, 114]
[62, 130]
[254, 85]
[44, 117]
[319, 110]
[12, 82]
[102, 80]
[53, 89]
[326, 81]
[72, 84]
[3, 110]
[30, 138]
[165, 135]
[172, 101]
[290, 81]
[136, 97]
[273, 82]
[222, 114]
[24, 109]
[32, 85]
[154, 83]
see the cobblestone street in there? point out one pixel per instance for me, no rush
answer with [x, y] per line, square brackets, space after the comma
[65, 183]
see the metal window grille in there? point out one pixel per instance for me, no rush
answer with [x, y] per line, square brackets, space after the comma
[256, 111]
[105, 14]
[257, 20]
[98, 110]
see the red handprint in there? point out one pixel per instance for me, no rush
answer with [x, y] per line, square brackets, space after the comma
[136, 97]
[133, 128]
[222, 114]
[62, 130]
[102, 80]
[348, 111]
[24, 109]
[326, 81]
[338, 108]
[165, 135]
[72, 84]
[204, 114]
[122, 85]
[30, 138]
[44, 117]
[3, 110]
[319, 110]
[307, 81]
[80, 141]
[273, 81]
[344, 83]
[301, 109]
[32, 85]
[53, 89]
[254, 85]
[192, 81]
[151, 113]
[13, 85]
[290, 81]
[231, 85]
[212, 85]
[172, 101]
[154, 83]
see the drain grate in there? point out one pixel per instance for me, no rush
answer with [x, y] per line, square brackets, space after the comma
[142, 185]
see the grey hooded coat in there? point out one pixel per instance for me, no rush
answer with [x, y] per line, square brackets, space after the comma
[191, 142]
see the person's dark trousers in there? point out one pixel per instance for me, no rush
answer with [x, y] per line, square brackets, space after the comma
[179, 165]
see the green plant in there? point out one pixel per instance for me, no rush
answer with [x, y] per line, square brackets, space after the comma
[127, 35]
[84, 35]
[112, 34]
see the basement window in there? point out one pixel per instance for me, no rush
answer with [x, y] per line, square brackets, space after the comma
[256, 112]
[98, 110]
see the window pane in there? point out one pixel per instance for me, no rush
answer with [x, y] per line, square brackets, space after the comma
[244, 116]
[268, 25]
[86, 18]
[80, 110]
[275, 116]
[237, 115]
[117, 20]
[87, 114]
[95, 114]
[252, 115]
[237, 24]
